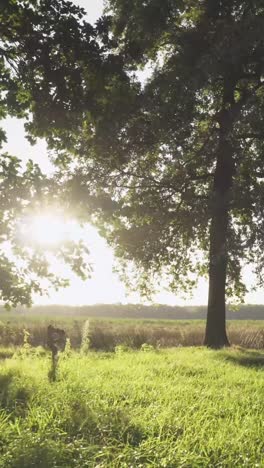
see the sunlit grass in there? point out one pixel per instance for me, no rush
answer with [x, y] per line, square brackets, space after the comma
[189, 407]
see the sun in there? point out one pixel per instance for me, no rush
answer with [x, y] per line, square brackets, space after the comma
[48, 229]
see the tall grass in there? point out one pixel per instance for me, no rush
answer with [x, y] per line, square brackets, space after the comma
[182, 408]
[107, 334]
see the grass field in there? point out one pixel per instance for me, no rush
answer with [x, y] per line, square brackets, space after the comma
[105, 334]
[174, 408]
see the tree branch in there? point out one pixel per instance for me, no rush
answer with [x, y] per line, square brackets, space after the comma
[259, 136]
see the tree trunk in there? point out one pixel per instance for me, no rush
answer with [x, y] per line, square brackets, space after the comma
[215, 335]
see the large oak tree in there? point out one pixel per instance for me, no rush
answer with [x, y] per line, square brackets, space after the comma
[173, 170]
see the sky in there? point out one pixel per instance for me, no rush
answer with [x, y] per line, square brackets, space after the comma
[94, 8]
[104, 286]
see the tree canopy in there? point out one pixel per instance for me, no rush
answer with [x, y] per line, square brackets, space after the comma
[178, 163]
[37, 43]
[171, 170]
[54, 73]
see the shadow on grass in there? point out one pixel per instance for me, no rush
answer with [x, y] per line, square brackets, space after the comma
[5, 382]
[6, 354]
[14, 393]
[245, 358]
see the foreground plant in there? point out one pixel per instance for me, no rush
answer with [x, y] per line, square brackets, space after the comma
[56, 341]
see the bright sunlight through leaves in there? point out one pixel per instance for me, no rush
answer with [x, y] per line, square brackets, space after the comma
[49, 230]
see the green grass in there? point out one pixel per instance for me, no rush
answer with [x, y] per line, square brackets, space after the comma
[185, 407]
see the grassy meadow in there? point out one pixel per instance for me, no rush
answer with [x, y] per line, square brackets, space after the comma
[106, 334]
[130, 394]
[185, 407]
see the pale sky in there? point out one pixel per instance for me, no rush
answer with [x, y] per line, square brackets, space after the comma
[104, 286]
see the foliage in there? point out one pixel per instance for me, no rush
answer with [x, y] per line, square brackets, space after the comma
[147, 157]
[56, 74]
[121, 349]
[173, 408]
[146, 347]
[25, 267]
[26, 348]
[36, 70]
[124, 312]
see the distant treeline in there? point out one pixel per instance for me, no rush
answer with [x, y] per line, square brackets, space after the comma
[137, 311]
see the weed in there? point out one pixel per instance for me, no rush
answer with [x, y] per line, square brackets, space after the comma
[86, 337]
[147, 347]
[67, 350]
[121, 349]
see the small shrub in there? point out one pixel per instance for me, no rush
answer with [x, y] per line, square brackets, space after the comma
[121, 349]
[26, 349]
[146, 348]
[39, 351]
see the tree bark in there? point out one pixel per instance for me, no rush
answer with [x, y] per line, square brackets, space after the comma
[215, 335]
